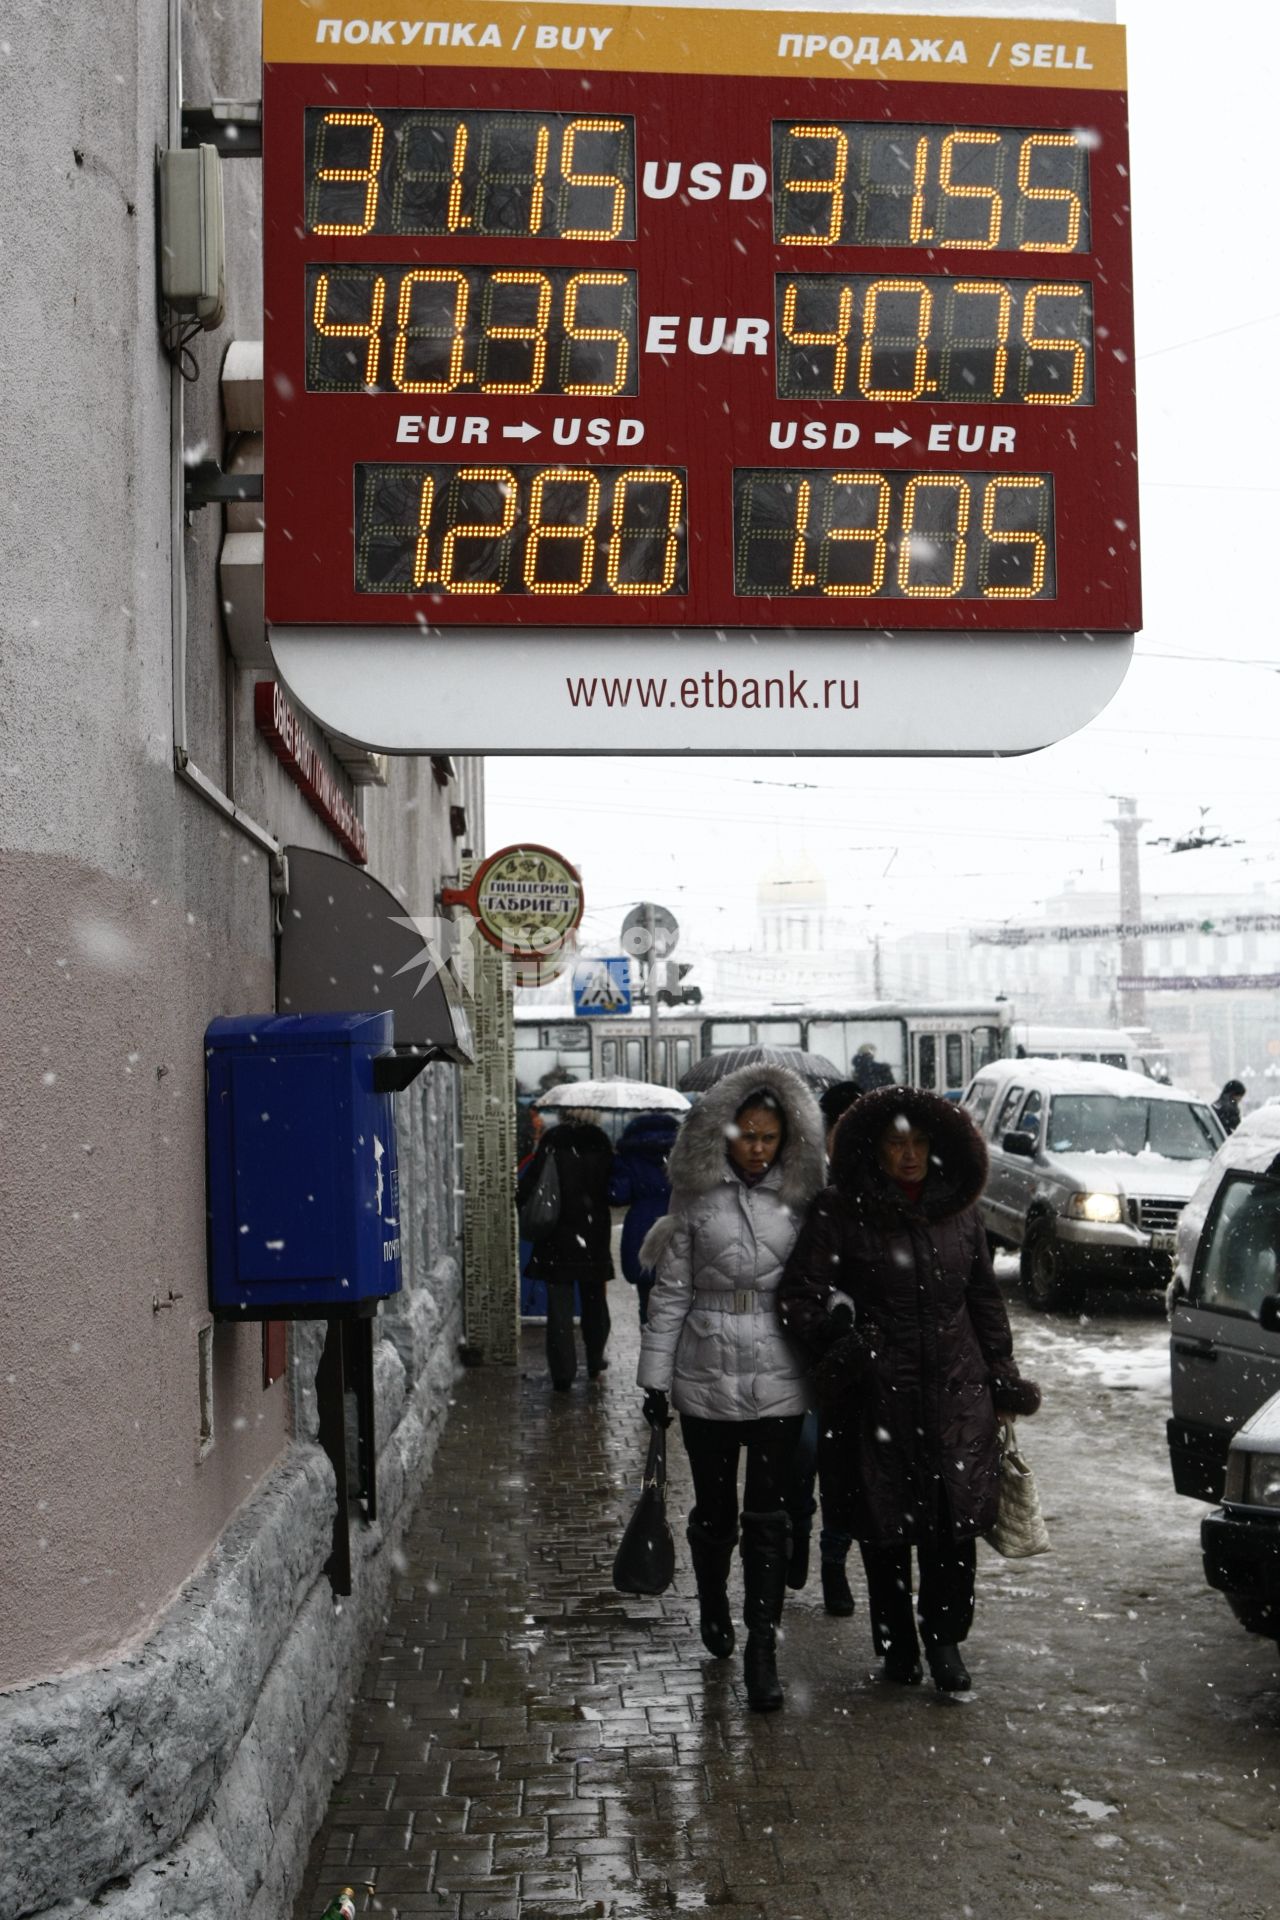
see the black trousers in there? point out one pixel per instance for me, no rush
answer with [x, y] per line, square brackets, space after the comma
[945, 1603]
[562, 1352]
[813, 1463]
[713, 1447]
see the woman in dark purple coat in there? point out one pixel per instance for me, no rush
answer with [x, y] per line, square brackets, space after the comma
[890, 1288]
[576, 1252]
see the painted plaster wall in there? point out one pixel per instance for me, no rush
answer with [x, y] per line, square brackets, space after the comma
[132, 912]
[175, 1677]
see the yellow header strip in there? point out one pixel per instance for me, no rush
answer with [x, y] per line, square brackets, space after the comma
[614, 39]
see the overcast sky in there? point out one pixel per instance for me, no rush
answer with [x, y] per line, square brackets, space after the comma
[925, 843]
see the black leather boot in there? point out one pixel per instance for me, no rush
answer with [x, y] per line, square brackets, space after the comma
[836, 1596]
[893, 1620]
[950, 1674]
[711, 1554]
[798, 1559]
[765, 1539]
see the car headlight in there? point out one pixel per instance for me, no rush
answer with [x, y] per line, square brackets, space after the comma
[1094, 1206]
[1261, 1480]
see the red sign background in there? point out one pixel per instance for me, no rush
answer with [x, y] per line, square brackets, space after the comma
[708, 415]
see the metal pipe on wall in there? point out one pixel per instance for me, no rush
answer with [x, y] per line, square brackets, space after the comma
[184, 766]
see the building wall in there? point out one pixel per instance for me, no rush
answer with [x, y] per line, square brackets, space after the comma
[173, 1672]
[133, 915]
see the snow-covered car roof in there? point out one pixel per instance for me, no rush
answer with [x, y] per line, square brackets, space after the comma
[1250, 1149]
[1082, 1076]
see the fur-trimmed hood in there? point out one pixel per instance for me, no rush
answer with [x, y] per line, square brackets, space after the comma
[699, 1161]
[957, 1154]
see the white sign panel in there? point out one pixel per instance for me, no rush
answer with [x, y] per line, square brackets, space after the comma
[730, 692]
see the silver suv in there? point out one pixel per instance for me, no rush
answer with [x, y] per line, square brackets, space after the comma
[1090, 1169]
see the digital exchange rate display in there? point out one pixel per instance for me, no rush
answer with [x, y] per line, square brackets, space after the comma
[490, 330]
[553, 176]
[527, 530]
[678, 323]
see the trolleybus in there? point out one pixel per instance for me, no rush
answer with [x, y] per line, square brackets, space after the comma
[935, 1047]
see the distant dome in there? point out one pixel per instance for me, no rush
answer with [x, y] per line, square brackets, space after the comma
[797, 882]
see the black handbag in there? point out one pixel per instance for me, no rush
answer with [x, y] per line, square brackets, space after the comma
[646, 1558]
[540, 1212]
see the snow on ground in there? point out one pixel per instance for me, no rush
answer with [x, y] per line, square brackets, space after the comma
[1136, 1361]
[1127, 1357]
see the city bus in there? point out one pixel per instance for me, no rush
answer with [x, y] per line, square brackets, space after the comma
[936, 1047]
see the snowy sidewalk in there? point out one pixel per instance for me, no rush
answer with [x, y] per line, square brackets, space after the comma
[529, 1745]
[528, 1742]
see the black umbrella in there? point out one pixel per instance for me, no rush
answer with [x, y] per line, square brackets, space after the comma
[811, 1067]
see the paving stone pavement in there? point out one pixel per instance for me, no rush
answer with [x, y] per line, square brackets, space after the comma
[530, 1745]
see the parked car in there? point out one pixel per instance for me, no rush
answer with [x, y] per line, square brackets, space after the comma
[1225, 1304]
[1240, 1539]
[1091, 1167]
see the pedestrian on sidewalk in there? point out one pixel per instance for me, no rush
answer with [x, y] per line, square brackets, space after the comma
[812, 1463]
[890, 1288]
[746, 1164]
[575, 1252]
[1227, 1104]
[639, 1183]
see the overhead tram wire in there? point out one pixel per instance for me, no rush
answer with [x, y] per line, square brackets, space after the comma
[827, 825]
[1181, 346]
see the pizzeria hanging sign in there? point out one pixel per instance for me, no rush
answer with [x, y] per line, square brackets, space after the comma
[527, 902]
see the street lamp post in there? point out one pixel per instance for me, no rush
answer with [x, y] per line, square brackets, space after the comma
[1133, 1000]
[651, 922]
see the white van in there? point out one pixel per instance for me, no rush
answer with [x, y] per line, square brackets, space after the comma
[1225, 1304]
[1109, 1046]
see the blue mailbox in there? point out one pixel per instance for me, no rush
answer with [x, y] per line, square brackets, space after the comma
[303, 1194]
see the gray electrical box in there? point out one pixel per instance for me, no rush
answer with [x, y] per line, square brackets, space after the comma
[192, 236]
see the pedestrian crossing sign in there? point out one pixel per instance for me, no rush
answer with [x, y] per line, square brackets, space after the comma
[602, 985]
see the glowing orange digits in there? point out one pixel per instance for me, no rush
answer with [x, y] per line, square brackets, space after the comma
[456, 333]
[646, 476]
[1016, 537]
[368, 173]
[936, 537]
[972, 138]
[368, 330]
[609, 181]
[583, 530]
[835, 186]
[1036, 143]
[875, 535]
[1052, 290]
[572, 331]
[534, 330]
[924, 320]
[493, 530]
[838, 338]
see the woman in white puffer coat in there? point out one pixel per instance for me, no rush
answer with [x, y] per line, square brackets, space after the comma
[748, 1160]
